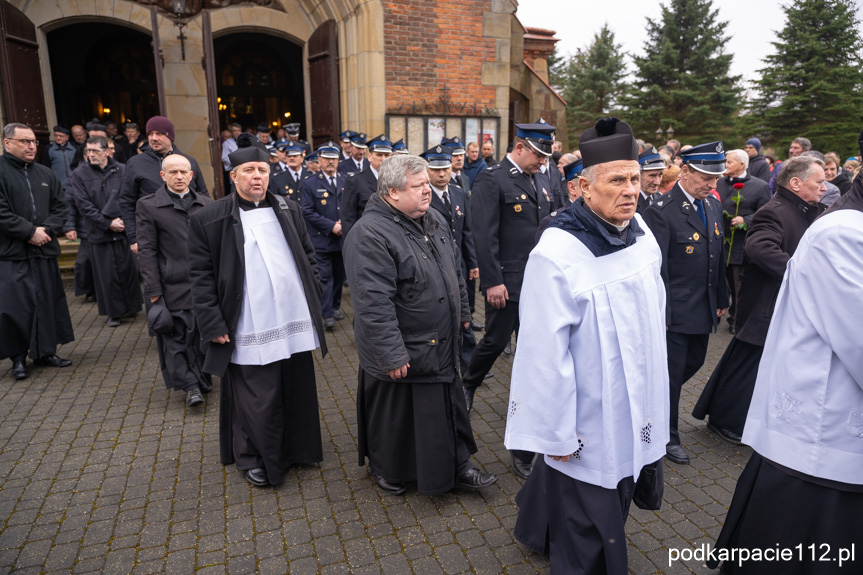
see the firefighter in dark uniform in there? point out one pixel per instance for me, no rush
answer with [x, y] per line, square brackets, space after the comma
[287, 182]
[652, 167]
[293, 131]
[321, 198]
[571, 172]
[399, 147]
[345, 139]
[452, 202]
[687, 223]
[507, 206]
[360, 186]
[357, 162]
[549, 181]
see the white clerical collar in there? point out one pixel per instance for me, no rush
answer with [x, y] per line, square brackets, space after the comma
[438, 192]
[514, 163]
[183, 195]
[615, 226]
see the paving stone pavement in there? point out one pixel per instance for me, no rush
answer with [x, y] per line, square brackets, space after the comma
[103, 470]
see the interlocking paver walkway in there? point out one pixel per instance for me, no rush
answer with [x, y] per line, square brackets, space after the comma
[103, 470]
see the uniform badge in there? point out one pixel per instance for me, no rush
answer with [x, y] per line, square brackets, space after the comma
[517, 207]
[716, 229]
[689, 249]
[546, 195]
[326, 194]
[696, 237]
[685, 205]
[523, 197]
[323, 202]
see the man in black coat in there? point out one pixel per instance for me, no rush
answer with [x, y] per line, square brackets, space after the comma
[742, 195]
[142, 173]
[260, 340]
[95, 185]
[453, 204]
[410, 304]
[34, 316]
[360, 186]
[163, 224]
[687, 224]
[507, 208]
[773, 234]
[758, 166]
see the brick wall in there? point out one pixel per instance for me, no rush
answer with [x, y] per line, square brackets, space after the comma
[430, 43]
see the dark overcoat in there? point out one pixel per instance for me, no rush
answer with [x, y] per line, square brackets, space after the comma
[95, 194]
[755, 193]
[774, 233]
[321, 208]
[692, 267]
[217, 271]
[163, 247]
[358, 189]
[506, 213]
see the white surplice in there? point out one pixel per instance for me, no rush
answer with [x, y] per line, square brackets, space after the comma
[590, 376]
[275, 321]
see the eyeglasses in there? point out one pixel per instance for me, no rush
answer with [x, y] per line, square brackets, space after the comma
[92, 151]
[27, 142]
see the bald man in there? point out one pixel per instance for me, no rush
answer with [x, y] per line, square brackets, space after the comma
[162, 221]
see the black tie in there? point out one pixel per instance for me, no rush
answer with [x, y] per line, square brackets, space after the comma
[530, 179]
[446, 202]
[332, 183]
[359, 166]
[296, 178]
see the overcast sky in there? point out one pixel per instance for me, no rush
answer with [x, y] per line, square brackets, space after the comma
[751, 25]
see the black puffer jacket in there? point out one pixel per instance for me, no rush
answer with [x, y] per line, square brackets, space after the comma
[142, 179]
[30, 196]
[408, 292]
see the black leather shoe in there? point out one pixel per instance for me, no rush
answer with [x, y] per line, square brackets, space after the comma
[114, 322]
[194, 397]
[476, 326]
[19, 369]
[473, 478]
[725, 434]
[508, 349]
[257, 477]
[521, 468]
[339, 314]
[53, 360]
[489, 375]
[329, 323]
[91, 298]
[732, 328]
[468, 397]
[677, 454]
[393, 488]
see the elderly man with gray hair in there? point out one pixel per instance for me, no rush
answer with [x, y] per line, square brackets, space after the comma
[742, 195]
[411, 305]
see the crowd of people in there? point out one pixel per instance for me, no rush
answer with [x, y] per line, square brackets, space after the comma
[613, 264]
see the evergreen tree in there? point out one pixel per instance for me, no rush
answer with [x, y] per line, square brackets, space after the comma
[594, 83]
[812, 85]
[682, 76]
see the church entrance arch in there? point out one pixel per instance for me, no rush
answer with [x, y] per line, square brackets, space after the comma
[102, 70]
[259, 78]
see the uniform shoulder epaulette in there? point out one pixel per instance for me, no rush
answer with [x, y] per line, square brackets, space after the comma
[494, 167]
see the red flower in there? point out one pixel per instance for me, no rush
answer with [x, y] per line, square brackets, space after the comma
[738, 186]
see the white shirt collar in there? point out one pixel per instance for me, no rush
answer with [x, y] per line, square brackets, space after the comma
[374, 171]
[438, 192]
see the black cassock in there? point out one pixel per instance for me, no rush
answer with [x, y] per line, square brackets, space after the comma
[269, 416]
[115, 275]
[33, 310]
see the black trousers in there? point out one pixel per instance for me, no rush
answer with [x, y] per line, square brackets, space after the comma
[733, 273]
[686, 353]
[332, 269]
[499, 325]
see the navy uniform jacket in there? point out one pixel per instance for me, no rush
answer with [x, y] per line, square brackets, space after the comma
[359, 187]
[643, 204]
[320, 203]
[462, 181]
[349, 166]
[506, 213]
[459, 221]
[551, 182]
[692, 266]
[283, 184]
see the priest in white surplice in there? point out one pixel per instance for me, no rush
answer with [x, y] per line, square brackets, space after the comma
[590, 382]
[257, 299]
